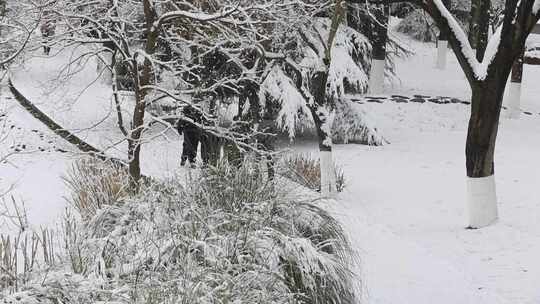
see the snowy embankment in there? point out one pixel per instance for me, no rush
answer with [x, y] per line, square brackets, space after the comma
[81, 104]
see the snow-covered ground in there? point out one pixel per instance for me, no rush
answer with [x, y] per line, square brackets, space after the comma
[404, 205]
[404, 202]
[407, 198]
[81, 104]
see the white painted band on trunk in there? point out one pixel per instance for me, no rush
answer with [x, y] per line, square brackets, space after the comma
[513, 100]
[376, 77]
[442, 49]
[328, 178]
[481, 201]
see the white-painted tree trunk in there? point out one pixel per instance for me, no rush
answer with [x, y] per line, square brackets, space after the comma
[513, 100]
[328, 177]
[481, 201]
[442, 50]
[376, 77]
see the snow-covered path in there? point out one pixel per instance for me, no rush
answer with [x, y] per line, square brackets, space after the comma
[81, 104]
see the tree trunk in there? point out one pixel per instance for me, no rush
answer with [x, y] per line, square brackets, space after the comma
[480, 148]
[142, 79]
[479, 26]
[322, 115]
[442, 43]
[513, 98]
[380, 37]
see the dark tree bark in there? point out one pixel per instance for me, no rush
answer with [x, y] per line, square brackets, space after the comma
[142, 78]
[318, 85]
[443, 35]
[380, 31]
[483, 124]
[479, 26]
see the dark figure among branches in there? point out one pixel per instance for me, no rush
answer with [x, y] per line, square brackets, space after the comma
[187, 125]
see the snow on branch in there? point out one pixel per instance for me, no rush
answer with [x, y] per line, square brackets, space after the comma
[199, 16]
[464, 45]
[281, 88]
[347, 51]
[522, 17]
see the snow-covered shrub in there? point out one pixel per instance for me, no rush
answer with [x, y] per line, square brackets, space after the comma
[229, 236]
[351, 126]
[418, 25]
[350, 62]
[304, 169]
[94, 183]
[348, 74]
[281, 93]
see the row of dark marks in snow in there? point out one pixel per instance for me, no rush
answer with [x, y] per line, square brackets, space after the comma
[417, 99]
[20, 139]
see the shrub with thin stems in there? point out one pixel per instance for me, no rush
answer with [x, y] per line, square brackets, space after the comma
[23, 250]
[305, 170]
[225, 235]
[94, 183]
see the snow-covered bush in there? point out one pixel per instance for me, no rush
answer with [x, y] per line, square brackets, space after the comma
[229, 236]
[352, 126]
[418, 25]
[305, 170]
[293, 117]
[347, 74]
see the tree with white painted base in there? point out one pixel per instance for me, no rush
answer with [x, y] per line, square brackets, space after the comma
[381, 15]
[487, 71]
[321, 105]
[513, 97]
[487, 79]
[320, 81]
[442, 45]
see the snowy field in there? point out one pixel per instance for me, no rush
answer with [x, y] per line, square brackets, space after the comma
[404, 205]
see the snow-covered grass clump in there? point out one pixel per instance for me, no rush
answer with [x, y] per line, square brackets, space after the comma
[305, 170]
[229, 236]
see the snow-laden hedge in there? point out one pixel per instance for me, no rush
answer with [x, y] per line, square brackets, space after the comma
[230, 236]
[352, 126]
